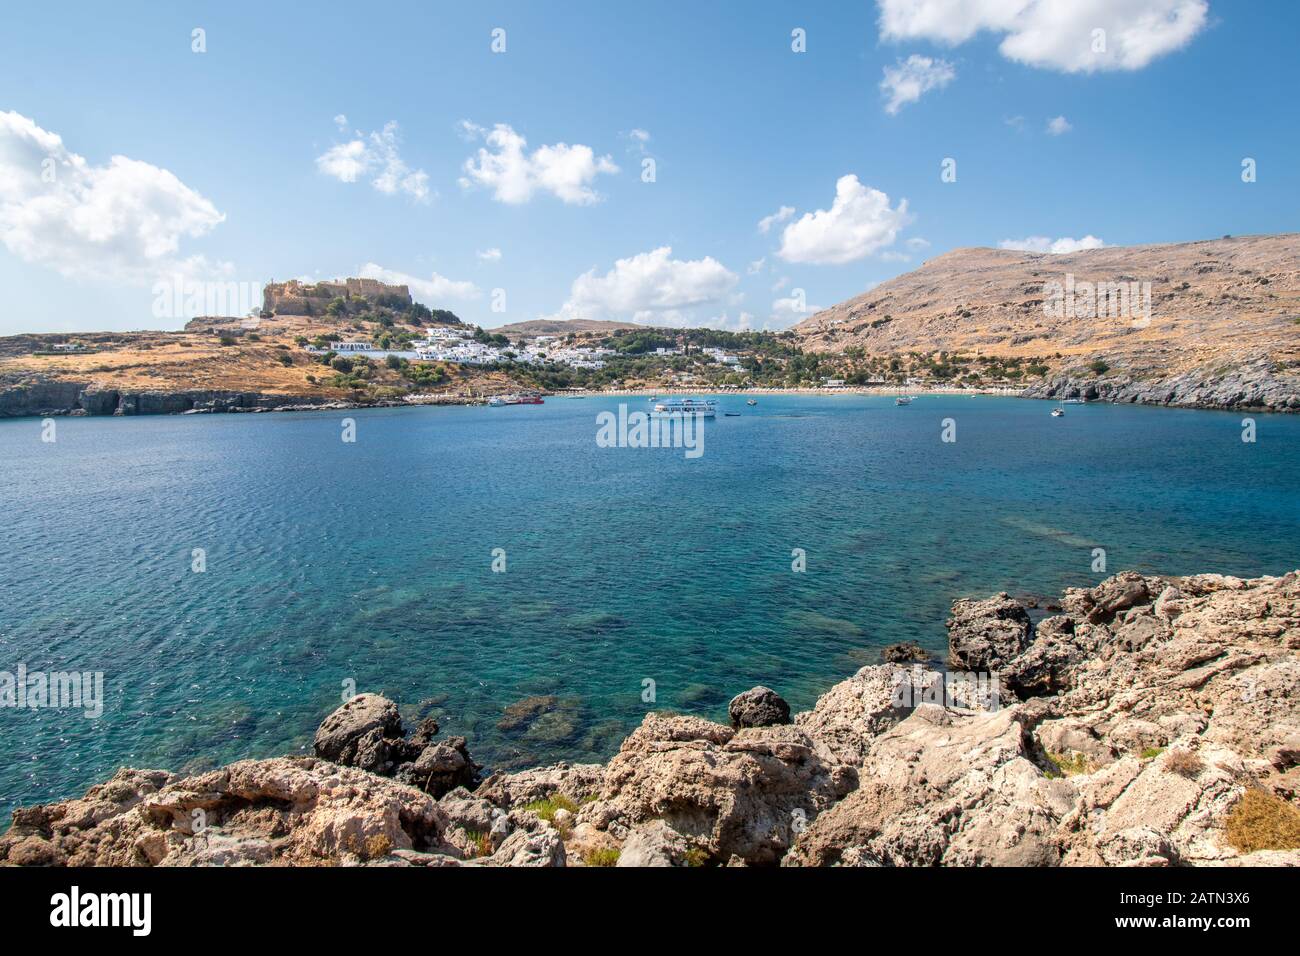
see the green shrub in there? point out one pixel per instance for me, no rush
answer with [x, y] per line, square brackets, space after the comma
[1069, 764]
[601, 858]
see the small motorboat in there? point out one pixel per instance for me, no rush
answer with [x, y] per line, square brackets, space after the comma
[752, 401]
[903, 400]
[1058, 412]
[731, 414]
[1075, 401]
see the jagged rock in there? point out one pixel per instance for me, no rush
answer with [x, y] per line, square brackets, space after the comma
[357, 734]
[758, 707]
[848, 716]
[654, 844]
[730, 792]
[906, 652]
[441, 767]
[945, 788]
[1045, 667]
[366, 732]
[540, 847]
[283, 810]
[575, 781]
[984, 635]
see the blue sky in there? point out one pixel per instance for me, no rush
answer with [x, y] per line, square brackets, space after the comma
[232, 177]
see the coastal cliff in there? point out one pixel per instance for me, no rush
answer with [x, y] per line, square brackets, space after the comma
[1151, 722]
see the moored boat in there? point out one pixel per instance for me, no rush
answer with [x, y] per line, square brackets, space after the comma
[702, 407]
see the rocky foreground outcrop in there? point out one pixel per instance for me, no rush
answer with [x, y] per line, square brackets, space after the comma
[1153, 722]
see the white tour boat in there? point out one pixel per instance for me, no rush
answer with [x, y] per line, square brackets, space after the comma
[702, 407]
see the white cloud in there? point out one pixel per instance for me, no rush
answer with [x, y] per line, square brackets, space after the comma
[756, 266]
[638, 139]
[724, 321]
[430, 291]
[859, 222]
[1044, 244]
[917, 243]
[1058, 125]
[1054, 34]
[651, 287]
[341, 121]
[514, 175]
[910, 79]
[490, 255]
[781, 215]
[122, 221]
[376, 153]
[791, 310]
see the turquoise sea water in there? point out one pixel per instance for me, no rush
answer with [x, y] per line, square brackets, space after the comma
[372, 561]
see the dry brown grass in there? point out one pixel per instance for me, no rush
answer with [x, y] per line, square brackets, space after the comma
[1263, 821]
[1184, 763]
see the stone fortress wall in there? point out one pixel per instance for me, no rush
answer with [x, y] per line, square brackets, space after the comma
[298, 298]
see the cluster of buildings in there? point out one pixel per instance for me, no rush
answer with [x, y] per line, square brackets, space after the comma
[456, 344]
[718, 355]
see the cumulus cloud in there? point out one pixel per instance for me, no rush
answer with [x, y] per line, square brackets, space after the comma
[724, 321]
[1054, 34]
[650, 287]
[490, 255]
[122, 221]
[912, 78]
[513, 174]
[378, 154]
[1058, 125]
[859, 222]
[781, 215]
[756, 266]
[1045, 244]
[791, 310]
[430, 291]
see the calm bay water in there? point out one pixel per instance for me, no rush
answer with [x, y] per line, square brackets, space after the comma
[372, 561]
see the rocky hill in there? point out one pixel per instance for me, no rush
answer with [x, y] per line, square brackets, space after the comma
[1150, 722]
[215, 364]
[1209, 324]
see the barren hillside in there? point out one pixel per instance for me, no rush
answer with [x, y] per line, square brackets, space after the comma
[215, 364]
[1222, 327]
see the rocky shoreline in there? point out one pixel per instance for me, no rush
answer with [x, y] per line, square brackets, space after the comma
[1151, 722]
[79, 399]
[1256, 387]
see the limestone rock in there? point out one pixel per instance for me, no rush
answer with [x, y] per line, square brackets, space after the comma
[654, 843]
[983, 635]
[852, 713]
[287, 810]
[758, 707]
[743, 792]
[944, 788]
[354, 735]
